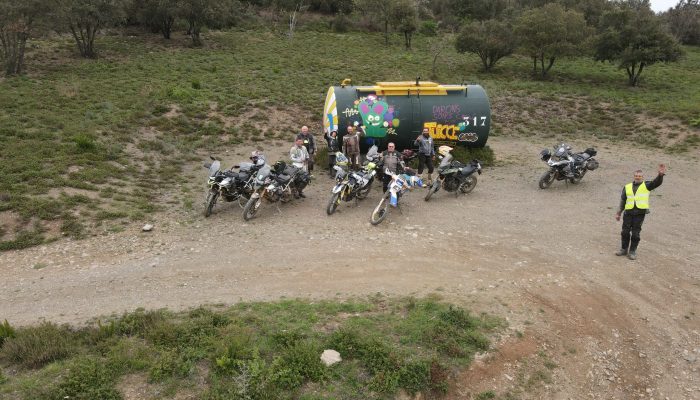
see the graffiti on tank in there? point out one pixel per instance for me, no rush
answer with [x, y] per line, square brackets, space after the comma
[447, 113]
[349, 112]
[450, 132]
[378, 117]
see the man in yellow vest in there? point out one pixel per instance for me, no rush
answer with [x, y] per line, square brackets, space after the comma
[635, 204]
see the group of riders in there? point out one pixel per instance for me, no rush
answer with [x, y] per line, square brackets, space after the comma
[304, 149]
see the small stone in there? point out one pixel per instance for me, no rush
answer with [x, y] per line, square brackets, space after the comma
[147, 228]
[330, 357]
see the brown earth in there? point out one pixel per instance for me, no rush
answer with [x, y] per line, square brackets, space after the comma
[583, 323]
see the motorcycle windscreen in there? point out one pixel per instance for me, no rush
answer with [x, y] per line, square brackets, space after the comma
[214, 168]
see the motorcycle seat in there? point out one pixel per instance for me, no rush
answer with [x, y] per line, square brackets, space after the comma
[468, 169]
[283, 178]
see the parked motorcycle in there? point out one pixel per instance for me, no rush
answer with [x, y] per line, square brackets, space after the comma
[565, 165]
[352, 185]
[397, 187]
[230, 185]
[453, 176]
[279, 183]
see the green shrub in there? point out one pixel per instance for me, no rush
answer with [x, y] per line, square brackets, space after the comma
[6, 331]
[36, 346]
[23, 240]
[85, 143]
[486, 395]
[485, 155]
[298, 364]
[415, 376]
[170, 364]
[138, 322]
[88, 379]
[429, 28]
[341, 23]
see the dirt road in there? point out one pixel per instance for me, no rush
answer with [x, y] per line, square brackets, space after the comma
[543, 259]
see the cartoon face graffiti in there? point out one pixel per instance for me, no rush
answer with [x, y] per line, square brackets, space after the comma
[376, 115]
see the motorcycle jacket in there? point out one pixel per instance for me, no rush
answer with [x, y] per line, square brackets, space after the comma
[308, 141]
[392, 161]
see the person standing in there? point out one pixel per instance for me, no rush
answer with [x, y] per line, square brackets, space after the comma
[426, 152]
[333, 147]
[310, 144]
[351, 146]
[634, 202]
[391, 160]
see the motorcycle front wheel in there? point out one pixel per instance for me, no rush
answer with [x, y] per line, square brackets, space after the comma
[381, 211]
[333, 203]
[212, 196]
[468, 185]
[547, 179]
[251, 208]
[432, 190]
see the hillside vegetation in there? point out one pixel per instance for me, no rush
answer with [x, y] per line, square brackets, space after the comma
[89, 146]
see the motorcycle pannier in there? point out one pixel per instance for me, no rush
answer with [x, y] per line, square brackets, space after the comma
[591, 151]
[593, 164]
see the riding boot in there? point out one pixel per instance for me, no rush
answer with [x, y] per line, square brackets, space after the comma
[430, 179]
[425, 180]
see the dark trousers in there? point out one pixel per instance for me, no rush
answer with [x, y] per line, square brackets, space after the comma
[354, 160]
[331, 164]
[386, 180]
[310, 163]
[423, 161]
[631, 227]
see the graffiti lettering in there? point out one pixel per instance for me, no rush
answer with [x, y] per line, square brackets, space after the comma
[349, 112]
[446, 113]
[468, 137]
[440, 131]
[391, 131]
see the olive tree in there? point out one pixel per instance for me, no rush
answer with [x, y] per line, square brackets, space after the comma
[85, 19]
[405, 19]
[491, 40]
[160, 15]
[551, 32]
[634, 38]
[205, 13]
[684, 21]
[18, 21]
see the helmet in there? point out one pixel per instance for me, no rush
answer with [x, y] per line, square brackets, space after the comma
[256, 156]
[444, 150]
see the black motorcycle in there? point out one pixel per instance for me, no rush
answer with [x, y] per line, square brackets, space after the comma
[565, 165]
[230, 185]
[279, 183]
[455, 177]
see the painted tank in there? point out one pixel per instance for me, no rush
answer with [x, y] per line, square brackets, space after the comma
[398, 111]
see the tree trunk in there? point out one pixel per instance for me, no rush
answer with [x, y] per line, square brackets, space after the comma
[167, 26]
[631, 73]
[542, 65]
[386, 32]
[534, 65]
[551, 62]
[484, 59]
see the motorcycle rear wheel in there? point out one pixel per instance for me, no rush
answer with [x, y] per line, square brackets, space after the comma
[468, 185]
[251, 208]
[547, 179]
[333, 203]
[212, 196]
[381, 211]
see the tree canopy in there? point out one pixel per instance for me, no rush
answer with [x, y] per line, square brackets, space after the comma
[634, 38]
[551, 32]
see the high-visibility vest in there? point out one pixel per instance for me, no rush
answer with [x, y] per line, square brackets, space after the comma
[640, 199]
